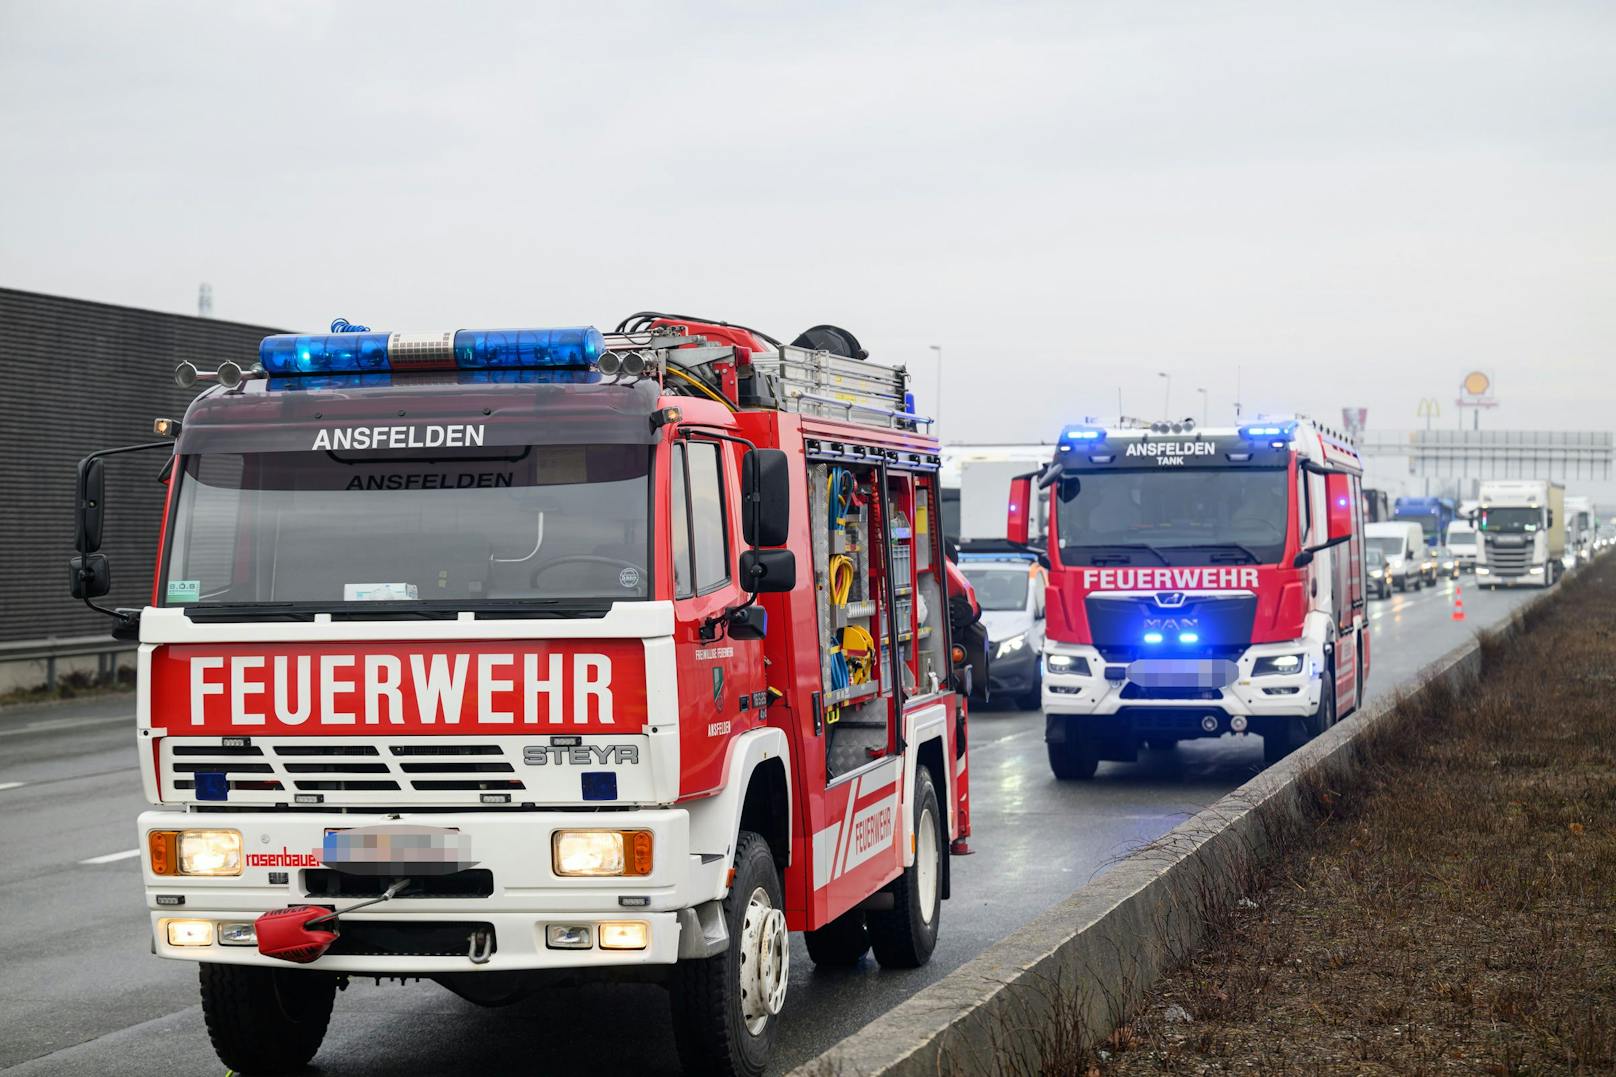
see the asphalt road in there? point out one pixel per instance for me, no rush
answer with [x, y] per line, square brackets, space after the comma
[80, 993]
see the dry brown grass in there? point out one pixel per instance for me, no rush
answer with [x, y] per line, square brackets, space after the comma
[1456, 912]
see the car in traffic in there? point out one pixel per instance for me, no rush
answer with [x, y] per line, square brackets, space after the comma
[1379, 573]
[1403, 545]
[1447, 562]
[1010, 589]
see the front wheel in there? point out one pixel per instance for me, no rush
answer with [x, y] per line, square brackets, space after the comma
[904, 936]
[265, 1020]
[724, 1006]
[1073, 760]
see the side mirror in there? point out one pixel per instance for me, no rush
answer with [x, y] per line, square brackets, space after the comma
[1338, 517]
[765, 498]
[1018, 512]
[89, 576]
[91, 495]
[765, 571]
[1302, 559]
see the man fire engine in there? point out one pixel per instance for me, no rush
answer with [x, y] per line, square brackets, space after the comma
[1201, 582]
[496, 656]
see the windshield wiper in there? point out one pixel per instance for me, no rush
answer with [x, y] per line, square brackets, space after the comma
[434, 610]
[1233, 553]
[1123, 558]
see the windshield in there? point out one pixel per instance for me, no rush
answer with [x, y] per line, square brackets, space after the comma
[998, 588]
[1182, 517]
[1374, 556]
[1429, 522]
[1515, 519]
[1389, 546]
[457, 525]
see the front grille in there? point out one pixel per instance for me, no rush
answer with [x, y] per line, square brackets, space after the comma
[1509, 560]
[322, 884]
[1140, 691]
[348, 770]
[372, 938]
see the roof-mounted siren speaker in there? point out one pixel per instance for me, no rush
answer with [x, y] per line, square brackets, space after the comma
[831, 338]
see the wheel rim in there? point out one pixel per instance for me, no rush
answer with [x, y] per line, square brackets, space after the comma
[765, 961]
[926, 869]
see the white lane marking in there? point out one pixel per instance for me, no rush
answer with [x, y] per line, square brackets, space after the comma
[110, 857]
[10, 785]
[67, 723]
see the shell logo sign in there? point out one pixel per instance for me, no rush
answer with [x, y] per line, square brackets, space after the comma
[1476, 383]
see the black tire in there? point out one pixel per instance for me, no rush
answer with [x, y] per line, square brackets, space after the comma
[904, 936]
[1032, 699]
[1075, 760]
[265, 1020]
[709, 1027]
[840, 944]
[1279, 742]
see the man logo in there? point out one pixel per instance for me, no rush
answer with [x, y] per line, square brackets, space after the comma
[1169, 600]
[718, 685]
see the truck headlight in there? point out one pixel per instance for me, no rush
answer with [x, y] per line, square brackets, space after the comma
[1068, 663]
[189, 932]
[601, 852]
[1277, 665]
[194, 852]
[1011, 646]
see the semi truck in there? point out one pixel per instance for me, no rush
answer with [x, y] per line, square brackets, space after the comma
[1202, 582]
[511, 657]
[1433, 514]
[1521, 533]
[976, 480]
[1581, 528]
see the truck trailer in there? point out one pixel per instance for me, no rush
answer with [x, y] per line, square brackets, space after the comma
[1521, 533]
[512, 657]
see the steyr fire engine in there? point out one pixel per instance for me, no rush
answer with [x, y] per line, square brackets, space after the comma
[494, 657]
[1201, 582]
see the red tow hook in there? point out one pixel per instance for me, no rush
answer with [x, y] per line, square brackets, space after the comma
[290, 935]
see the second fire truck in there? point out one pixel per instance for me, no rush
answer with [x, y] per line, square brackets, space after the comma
[493, 657]
[1201, 582]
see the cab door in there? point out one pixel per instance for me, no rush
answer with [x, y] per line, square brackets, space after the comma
[721, 679]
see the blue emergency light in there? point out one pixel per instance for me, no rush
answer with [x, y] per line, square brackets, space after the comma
[351, 350]
[1074, 436]
[1269, 432]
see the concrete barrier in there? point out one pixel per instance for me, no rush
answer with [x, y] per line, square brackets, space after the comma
[1079, 970]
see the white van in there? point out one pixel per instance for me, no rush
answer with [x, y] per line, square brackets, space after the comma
[1462, 541]
[1403, 545]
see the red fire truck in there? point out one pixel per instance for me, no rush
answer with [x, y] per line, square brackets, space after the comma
[1201, 582]
[493, 657]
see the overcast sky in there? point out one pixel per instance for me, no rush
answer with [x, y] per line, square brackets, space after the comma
[1351, 204]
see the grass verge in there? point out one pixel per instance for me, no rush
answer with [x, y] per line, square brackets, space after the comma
[1455, 911]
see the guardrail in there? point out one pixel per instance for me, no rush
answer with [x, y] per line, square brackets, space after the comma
[1079, 970]
[49, 650]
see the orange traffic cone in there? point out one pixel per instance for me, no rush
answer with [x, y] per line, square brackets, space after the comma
[1458, 603]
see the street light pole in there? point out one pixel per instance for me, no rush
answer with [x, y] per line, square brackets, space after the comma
[1204, 407]
[1167, 395]
[938, 348]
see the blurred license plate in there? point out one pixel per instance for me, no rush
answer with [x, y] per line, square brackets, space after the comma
[390, 849]
[1182, 672]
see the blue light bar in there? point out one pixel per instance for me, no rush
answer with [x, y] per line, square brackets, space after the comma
[578, 346]
[1189, 637]
[349, 352]
[1080, 435]
[1153, 637]
[1269, 431]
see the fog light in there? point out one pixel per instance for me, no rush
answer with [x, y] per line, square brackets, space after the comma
[568, 936]
[189, 932]
[1238, 723]
[1066, 689]
[239, 934]
[1210, 724]
[625, 935]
